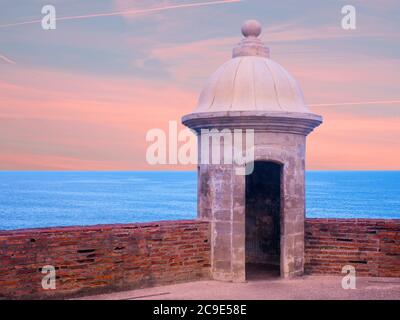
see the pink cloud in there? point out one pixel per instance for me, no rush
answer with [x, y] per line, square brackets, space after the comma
[78, 117]
[350, 142]
[67, 120]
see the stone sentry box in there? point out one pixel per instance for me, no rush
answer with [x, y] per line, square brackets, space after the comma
[255, 218]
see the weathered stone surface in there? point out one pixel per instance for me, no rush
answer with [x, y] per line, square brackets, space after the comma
[222, 201]
[251, 92]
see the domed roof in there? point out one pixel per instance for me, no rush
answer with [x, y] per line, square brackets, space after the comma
[251, 81]
[252, 91]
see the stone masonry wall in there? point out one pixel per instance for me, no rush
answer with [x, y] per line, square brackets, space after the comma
[222, 202]
[372, 246]
[103, 258]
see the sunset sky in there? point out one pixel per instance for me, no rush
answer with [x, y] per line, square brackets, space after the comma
[83, 96]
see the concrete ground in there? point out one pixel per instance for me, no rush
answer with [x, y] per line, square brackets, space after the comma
[304, 288]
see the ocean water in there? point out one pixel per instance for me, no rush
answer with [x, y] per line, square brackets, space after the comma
[30, 199]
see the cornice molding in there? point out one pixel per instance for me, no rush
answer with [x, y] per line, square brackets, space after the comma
[284, 122]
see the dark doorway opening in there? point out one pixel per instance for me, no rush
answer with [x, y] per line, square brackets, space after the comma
[263, 208]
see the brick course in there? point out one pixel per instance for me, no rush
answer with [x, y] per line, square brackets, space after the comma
[103, 258]
[106, 258]
[372, 246]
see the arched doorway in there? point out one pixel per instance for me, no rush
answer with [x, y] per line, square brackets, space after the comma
[263, 220]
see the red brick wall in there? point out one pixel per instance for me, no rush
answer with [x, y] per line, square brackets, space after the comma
[106, 258]
[371, 246]
[103, 258]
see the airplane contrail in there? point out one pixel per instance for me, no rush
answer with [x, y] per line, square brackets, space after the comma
[127, 12]
[8, 60]
[355, 103]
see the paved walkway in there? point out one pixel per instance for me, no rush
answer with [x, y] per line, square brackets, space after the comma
[308, 287]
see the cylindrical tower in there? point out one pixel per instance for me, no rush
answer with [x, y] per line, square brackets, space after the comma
[253, 106]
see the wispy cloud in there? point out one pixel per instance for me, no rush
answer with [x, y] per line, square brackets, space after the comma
[355, 103]
[7, 60]
[128, 12]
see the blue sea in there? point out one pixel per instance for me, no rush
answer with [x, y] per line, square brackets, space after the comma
[30, 199]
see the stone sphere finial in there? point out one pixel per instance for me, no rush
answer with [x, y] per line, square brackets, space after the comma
[251, 45]
[251, 28]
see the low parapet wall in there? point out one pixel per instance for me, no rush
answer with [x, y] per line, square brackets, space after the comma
[103, 258]
[371, 246]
